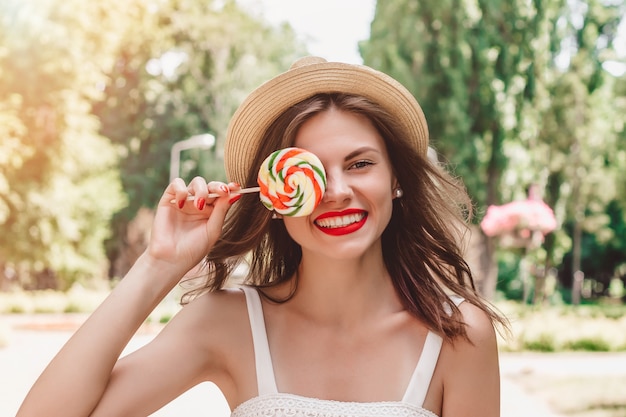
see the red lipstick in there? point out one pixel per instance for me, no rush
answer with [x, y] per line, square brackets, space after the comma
[339, 223]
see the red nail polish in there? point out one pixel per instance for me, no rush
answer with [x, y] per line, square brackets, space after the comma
[225, 189]
[181, 204]
[235, 198]
[201, 202]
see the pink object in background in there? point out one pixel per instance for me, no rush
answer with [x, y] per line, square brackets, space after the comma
[521, 217]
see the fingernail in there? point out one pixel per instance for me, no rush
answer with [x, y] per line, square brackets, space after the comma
[200, 204]
[181, 204]
[235, 198]
[225, 189]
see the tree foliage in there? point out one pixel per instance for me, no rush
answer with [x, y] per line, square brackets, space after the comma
[182, 70]
[92, 97]
[59, 187]
[516, 93]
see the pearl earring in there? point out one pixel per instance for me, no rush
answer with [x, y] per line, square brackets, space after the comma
[398, 192]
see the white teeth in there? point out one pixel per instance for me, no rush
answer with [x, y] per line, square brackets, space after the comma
[342, 221]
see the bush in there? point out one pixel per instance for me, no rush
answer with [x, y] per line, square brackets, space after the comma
[544, 343]
[552, 329]
[76, 300]
[589, 345]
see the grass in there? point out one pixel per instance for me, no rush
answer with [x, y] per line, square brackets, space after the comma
[540, 329]
[564, 328]
[78, 300]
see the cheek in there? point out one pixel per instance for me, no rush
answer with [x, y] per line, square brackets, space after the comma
[385, 201]
[295, 227]
[388, 209]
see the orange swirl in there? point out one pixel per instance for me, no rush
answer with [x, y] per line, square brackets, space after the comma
[292, 182]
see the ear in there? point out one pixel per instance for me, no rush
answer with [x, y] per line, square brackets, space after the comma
[395, 185]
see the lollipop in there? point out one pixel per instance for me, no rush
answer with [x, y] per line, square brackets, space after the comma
[292, 182]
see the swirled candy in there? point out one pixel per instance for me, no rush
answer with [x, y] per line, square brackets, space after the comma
[292, 182]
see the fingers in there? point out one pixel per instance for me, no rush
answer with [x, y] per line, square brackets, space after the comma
[220, 209]
[208, 194]
[199, 189]
[175, 193]
[199, 193]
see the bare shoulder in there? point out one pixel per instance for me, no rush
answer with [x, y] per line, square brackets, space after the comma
[216, 325]
[470, 369]
[223, 312]
[478, 324]
[480, 344]
[216, 330]
[219, 303]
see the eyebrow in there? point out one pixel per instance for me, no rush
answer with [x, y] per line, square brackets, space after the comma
[361, 150]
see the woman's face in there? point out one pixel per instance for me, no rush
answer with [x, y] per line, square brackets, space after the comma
[357, 204]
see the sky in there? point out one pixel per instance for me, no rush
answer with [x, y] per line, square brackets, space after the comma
[330, 28]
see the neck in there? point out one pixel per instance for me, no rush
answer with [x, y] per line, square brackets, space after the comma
[344, 291]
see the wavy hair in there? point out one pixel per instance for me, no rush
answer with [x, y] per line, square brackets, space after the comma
[421, 243]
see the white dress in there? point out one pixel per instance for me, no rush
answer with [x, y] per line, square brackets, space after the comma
[271, 403]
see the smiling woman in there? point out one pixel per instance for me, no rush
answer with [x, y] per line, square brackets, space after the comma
[364, 306]
[357, 164]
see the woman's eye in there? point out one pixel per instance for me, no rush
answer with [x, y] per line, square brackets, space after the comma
[361, 164]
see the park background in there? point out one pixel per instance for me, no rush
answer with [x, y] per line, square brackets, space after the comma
[519, 95]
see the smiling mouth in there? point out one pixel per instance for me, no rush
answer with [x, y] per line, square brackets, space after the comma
[340, 221]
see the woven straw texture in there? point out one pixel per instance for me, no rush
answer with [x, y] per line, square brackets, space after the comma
[307, 77]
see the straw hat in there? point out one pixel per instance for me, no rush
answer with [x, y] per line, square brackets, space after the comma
[307, 77]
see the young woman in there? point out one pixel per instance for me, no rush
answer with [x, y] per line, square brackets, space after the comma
[365, 307]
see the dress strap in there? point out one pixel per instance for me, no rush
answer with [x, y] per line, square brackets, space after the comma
[420, 380]
[263, 360]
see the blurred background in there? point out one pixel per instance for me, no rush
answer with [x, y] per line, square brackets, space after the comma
[101, 103]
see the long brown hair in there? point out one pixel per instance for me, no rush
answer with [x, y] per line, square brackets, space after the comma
[420, 244]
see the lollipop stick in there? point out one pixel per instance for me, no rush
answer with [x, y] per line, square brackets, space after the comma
[213, 195]
[242, 191]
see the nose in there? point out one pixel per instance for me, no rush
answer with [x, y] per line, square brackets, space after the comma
[337, 189]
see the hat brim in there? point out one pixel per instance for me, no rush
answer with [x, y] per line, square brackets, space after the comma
[265, 104]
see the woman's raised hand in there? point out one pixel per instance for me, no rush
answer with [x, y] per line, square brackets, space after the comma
[74, 384]
[184, 230]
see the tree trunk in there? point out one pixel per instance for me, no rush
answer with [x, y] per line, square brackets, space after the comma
[480, 256]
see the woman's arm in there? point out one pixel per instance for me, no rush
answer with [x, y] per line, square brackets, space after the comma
[471, 384]
[77, 378]
[203, 342]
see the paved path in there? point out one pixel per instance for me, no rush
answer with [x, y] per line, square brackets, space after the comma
[32, 348]
[517, 403]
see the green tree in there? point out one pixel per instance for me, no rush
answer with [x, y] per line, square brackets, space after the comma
[503, 109]
[582, 135]
[58, 183]
[182, 69]
[470, 64]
